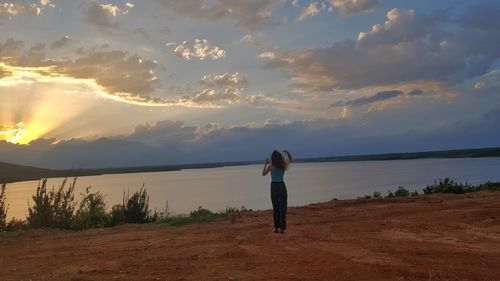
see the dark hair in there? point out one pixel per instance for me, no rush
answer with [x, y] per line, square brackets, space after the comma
[278, 161]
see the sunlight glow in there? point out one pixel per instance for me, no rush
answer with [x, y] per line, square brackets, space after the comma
[44, 107]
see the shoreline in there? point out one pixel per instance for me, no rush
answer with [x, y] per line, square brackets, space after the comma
[18, 173]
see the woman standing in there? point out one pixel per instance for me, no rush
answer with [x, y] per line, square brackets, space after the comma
[277, 165]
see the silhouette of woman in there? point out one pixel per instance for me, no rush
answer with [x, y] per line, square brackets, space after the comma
[277, 165]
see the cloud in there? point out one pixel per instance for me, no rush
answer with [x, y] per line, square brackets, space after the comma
[483, 16]
[255, 40]
[201, 49]
[10, 47]
[101, 15]
[224, 80]
[408, 48]
[268, 55]
[143, 33]
[113, 73]
[246, 14]
[61, 42]
[309, 11]
[402, 26]
[14, 9]
[489, 82]
[11, 133]
[211, 96]
[380, 96]
[350, 7]
[174, 142]
[38, 47]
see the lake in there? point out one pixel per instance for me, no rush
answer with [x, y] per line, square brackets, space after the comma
[217, 188]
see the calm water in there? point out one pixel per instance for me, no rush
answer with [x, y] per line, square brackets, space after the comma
[244, 186]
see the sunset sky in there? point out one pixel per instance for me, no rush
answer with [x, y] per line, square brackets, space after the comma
[118, 83]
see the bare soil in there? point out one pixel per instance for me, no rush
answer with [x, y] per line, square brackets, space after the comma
[438, 237]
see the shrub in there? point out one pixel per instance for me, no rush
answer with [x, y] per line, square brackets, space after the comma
[117, 215]
[449, 186]
[91, 212]
[377, 195]
[53, 209]
[401, 192]
[428, 190]
[3, 209]
[489, 186]
[390, 194]
[136, 207]
[16, 225]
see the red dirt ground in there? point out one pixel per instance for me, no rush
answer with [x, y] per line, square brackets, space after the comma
[439, 237]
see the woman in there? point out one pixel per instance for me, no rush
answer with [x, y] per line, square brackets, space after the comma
[277, 165]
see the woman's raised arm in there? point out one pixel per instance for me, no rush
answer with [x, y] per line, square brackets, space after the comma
[289, 155]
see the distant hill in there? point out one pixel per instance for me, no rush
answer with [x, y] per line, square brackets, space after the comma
[15, 173]
[12, 172]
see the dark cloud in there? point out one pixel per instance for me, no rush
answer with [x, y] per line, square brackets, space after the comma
[349, 7]
[408, 48]
[482, 17]
[380, 96]
[172, 142]
[102, 15]
[246, 14]
[61, 42]
[10, 47]
[38, 47]
[415, 92]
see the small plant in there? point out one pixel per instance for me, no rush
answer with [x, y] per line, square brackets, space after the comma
[52, 209]
[3, 209]
[401, 192]
[117, 215]
[17, 225]
[377, 195]
[449, 186]
[390, 194]
[136, 207]
[91, 212]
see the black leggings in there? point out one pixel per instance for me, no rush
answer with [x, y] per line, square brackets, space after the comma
[279, 200]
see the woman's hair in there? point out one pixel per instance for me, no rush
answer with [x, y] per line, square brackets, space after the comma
[278, 161]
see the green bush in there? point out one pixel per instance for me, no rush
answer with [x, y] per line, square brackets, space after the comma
[117, 215]
[91, 212]
[401, 192]
[449, 186]
[377, 195]
[3, 209]
[53, 209]
[136, 207]
[489, 186]
[16, 225]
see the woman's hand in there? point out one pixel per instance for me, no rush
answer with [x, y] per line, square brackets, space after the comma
[288, 154]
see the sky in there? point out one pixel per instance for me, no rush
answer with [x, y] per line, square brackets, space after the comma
[94, 83]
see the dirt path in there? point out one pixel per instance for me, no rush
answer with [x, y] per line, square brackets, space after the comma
[445, 237]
